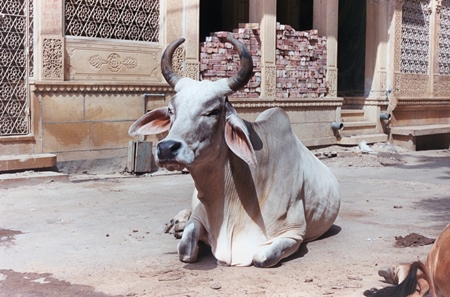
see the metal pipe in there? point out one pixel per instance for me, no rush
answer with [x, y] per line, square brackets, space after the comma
[337, 126]
[144, 103]
[385, 116]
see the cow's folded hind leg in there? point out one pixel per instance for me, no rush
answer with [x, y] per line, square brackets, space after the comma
[280, 248]
[177, 224]
[188, 247]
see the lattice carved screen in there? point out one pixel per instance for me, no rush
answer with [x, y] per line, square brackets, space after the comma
[136, 20]
[415, 37]
[16, 65]
[444, 39]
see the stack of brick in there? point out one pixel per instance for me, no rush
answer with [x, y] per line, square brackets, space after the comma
[218, 59]
[300, 61]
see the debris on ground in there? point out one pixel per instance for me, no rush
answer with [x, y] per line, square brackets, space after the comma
[413, 240]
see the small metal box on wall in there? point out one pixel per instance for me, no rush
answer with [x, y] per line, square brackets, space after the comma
[140, 157]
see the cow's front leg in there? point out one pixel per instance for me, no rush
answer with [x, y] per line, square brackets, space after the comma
[189, 245]
[280, 248]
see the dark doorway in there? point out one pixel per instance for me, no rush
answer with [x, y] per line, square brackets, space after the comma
[298, 14]
[351, 47]
[221, 15]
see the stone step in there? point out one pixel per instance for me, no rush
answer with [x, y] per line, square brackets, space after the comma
[352, 115]
[28, 178]
[368, 138]
[10, 163]
[357, 128]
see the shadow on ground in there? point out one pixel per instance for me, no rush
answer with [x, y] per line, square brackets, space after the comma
[439, 209]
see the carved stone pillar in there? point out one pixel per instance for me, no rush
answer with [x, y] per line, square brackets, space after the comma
[376, 48]
[264, 13]
[325, 20]
[51, 41]
[191, 67]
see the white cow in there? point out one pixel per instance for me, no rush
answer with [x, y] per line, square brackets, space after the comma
[260, 191]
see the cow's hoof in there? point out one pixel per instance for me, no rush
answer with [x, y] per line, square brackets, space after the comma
[261, 261]
[188, 259]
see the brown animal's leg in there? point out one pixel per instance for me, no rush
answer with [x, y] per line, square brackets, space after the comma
[189, 246]
[438, 263]
[411, 280]
[280, 248]
[390, 274]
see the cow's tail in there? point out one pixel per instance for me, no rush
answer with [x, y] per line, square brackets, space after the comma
[408, 286]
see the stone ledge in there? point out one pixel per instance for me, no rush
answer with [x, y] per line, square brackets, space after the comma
[421, 130]
[28, 178]
[368, 138]
[27, 162]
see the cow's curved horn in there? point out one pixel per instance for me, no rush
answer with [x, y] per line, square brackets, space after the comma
[244, 73]
[166, 63]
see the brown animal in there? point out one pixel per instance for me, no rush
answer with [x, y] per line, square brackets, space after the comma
[416, 279]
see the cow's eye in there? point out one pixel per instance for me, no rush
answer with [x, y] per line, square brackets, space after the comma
[169, 110]
[213, 112]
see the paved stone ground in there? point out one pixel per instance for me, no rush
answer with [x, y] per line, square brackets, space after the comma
[103, 235]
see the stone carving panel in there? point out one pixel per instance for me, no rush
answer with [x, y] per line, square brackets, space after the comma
[415, 37]
[178, 60]
[105, 60]
[332, 82]
[270, 75]
[137, 20]
[192, 70]
[52, 59]
[411, 85]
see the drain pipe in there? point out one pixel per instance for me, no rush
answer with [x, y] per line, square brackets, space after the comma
[144, 105]
[144, 102]
[385, 116]
[337, 126]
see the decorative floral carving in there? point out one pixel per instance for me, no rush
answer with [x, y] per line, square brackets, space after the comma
[113, 61]
[270, 81]
[178, 60]
[332, 82]
[192, 70]
[52, 56]
[411, 85]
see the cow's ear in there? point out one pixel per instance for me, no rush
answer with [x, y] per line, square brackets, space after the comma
[153, 122]
[238, 140]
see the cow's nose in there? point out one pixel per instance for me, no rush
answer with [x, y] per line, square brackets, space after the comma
[168, 149]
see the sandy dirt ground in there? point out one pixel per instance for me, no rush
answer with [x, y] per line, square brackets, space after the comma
[102, 235]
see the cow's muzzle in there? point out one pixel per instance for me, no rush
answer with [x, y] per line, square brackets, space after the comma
[168, 149]
[168, 154]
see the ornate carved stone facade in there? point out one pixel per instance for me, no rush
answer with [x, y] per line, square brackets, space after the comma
[415, 45]
[126, 20]
[16, 65]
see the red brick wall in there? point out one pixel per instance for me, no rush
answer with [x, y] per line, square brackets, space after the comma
[300, 60]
